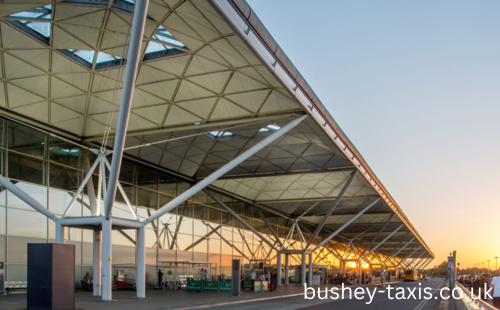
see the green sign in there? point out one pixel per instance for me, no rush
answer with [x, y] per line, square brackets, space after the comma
[169, 272]
[247, 283]
[193, 286]
[210, 286]
[225, 286]
[258, 286]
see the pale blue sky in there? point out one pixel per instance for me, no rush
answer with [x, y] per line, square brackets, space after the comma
[416, 87]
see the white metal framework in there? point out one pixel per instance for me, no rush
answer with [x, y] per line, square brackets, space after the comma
[207, 94]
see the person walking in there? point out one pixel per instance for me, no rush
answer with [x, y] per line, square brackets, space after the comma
[160, 278]
[242, 278]
[253, 276]
[495, 284]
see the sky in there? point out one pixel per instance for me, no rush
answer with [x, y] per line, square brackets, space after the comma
[415, 85]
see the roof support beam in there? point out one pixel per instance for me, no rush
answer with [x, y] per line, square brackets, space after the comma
[394, 255]
[235, 121]
[133, 57]
[421, 263]
[236, 216]
[423, 267]
[259, 211]
[322, 243]
[27, 198]
[414, 261]
[332, 208]
[386, 238]
[397, 246]
[224, 169]
[378, 234]
[409, 255]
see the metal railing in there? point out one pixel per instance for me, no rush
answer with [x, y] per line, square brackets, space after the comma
[470, 302]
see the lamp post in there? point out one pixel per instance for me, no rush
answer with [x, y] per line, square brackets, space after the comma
[488, 266]
[496, 268]
[482, 269]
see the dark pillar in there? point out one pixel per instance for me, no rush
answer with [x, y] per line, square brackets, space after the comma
[51, 276]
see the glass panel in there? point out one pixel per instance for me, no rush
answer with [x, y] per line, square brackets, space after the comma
[39, 193]
[214, 245]
[123, 237]
[64, 153]
[26, 223]
[186, 226]
[2, 249]
[164, 200]
[2, 133]
[200, 212]
[17, 272]
[146, 198]
[129, 191]
[127, 172]
[146, 178]
[87, 235]
[27, 141]
[17, 249]
[3, 224]
[59, 201]
[226, 248]
[78, 252]
[123, 255]
[64, 177]
[184, 241]
[26, 169]
[150, 238]
[200, 229]
[73, 234]
[88, 253]
[167, 184]
[78, 276]
[3, 196]
[214, 215]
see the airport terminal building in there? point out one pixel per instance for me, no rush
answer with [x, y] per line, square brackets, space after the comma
[178, 133]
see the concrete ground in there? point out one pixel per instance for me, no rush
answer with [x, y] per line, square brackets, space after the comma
[286, 297]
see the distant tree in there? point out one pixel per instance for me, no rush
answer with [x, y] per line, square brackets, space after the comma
[441, 269]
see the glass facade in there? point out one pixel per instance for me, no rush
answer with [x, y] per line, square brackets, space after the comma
[51, 170]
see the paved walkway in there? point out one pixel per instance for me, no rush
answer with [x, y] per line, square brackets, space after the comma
[157, 299]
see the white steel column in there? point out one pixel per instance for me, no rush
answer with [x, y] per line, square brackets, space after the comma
[59, 232]
[223, 170]
[303, 274]
[97, 262]
[141, 263]
[278, 278]
[286, 270]
[133, 57]
[310, 277]
[107, 274]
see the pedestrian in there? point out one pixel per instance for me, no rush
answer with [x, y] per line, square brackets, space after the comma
[476, 286]
[160, 278]
[252, 277]
[242, 279]
[495, 284]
